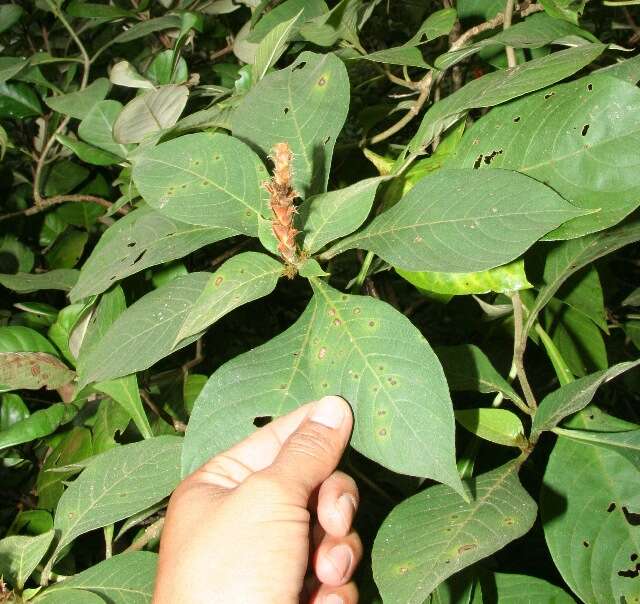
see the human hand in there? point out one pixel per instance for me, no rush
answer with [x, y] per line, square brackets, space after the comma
[249, 524]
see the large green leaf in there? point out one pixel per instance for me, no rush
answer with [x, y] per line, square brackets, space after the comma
[144, 333]
[462, 221]
[434, 534]
[498, 426]
[18, 101]
[592, 157]
[588, 505]
[32, 371]
[501, 86]
[38, 424]
[88, 153]
[117, 484]
[507, 278]
[583, 292]
[19, 556]
[327, 216]
[304, 105]
[522, 589]
[354, 346]
[625, 443]
[16, 338]
[564, 259]
[141, 239]
[78, 104]
[272, 46]
[26, 283]
[124, 579]
[573, 397]
[124, 390]
[97, 127]
[208, 179]
[70, 596]
[239, 280]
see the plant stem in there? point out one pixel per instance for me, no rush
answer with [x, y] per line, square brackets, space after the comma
[559, 364]
[58, 199]
[362, 275]
[150, 533]
[508, 16]
[519, 345]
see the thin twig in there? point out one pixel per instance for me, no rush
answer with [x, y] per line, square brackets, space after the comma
[509, 50]
[196, 360]
[150, 533]
[178, 426]
[519, 345]
[47, 202]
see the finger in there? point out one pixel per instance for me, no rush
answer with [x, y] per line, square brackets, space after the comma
[345, 594]
[312, 452]
[253, 454]
[337, 503]
[336, 559]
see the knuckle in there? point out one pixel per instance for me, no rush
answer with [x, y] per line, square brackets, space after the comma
[313, 443]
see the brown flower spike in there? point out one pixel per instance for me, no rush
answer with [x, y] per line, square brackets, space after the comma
[281, 199]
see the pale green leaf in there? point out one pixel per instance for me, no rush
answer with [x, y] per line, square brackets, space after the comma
[304, 105]
[573, 397]
[111, 419]
[125, 392]
[625, 443]
[16, 338]
[116, 485]
[78, 104]
[434, 534]
[70, 596]
[97, 127]
[144, 28]
[207, 179]
[354, 346]
[462, 221]
[502, 279]
[19, 556]
[26, 283]
[327, 216]
[241, 279]
[272, 46]
[591, 159]
[141, 239]
[499, 426]
[398, 55]
[88, 153]
[588, 495]
[284, 12]
[125, 74]
[437, 24]
[501, 86]
[144, 333]
[124, 579]
[340, 23]
[150, 113]
[38, 424]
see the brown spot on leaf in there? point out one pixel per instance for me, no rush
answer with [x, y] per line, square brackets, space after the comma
[467, 547]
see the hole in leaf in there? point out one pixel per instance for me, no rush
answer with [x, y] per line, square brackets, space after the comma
[612, 506]
[322, 81]
[478, 162]
[140, 255]
[262, 420]
[489, 158]
[549, 95]
[585, 129]
[516, 119]
[299, 66]
[326, 140]
[634, 557]
[286, 110]
[631, 573]
[585, 543]
[632, 518]
[131, 244]
[589, 87]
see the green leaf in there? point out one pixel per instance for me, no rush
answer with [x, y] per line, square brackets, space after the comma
[627, 70]
[19, 556]
[589, 161]
[573, 397]
[437, 24]
[501, 86]
[144, 333]
[327, 216]
[207, 179]
[125, 74]
[507, 278]
[284, 12]
[586, 501]
[124, 579]
[625, 443]
[473, 221]
[498, 426]
[88, 153]
[18, 101]
[15, 254]
[38, 424]
[522, 589]
[141, 239]
[78, 104]
[304, 105]
[61, 330]
[161, 68]
[32, 371]
[468, 368]
[117, 484]
[398, 55]
[272, 46]
[67, 250]
[63, 177]
[144, 28]
[26, 283]
[340, 23]
[9, 15]
[70, 596]
[93, 10]
[97, 128]
[354, 346]
[16, 338]
[241, 279]
[83, 215]
[75, 446]
[110, 419]
[564, 259]
[434, 534]
[124, 390]
[11, 66]
[12, 411]
[150, 113]
[564, 9]
[583, 293]
[535, 32]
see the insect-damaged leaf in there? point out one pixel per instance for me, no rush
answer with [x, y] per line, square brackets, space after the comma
[434, 534]
[460, 221]
[32, 371]
[354, 346]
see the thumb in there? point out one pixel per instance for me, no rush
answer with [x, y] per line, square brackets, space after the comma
[312, 452]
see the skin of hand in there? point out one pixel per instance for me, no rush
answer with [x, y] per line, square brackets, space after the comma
[269, 520]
